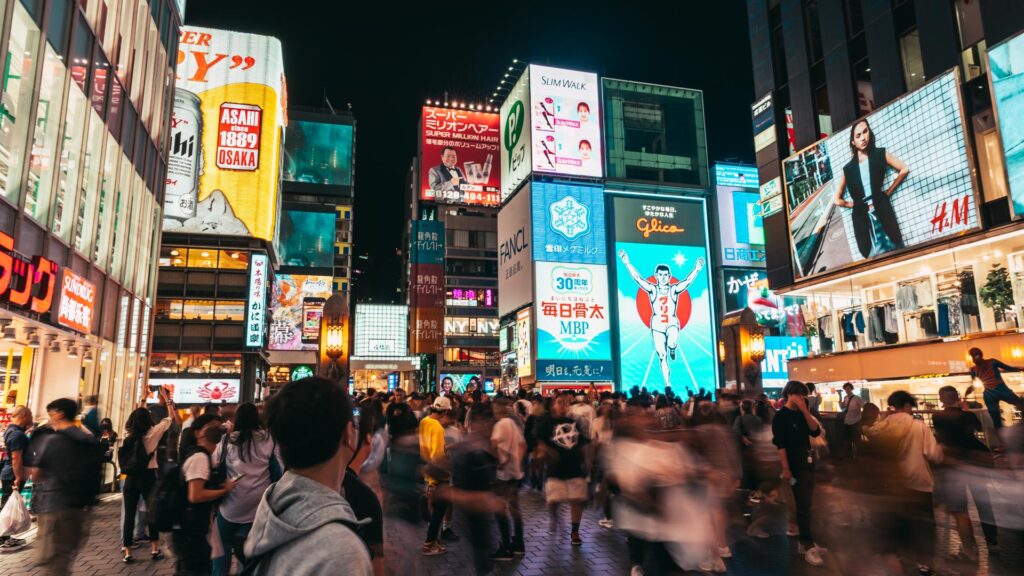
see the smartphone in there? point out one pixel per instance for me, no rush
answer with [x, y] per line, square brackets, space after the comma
[312, 313]
[355, 413]
[239, 477]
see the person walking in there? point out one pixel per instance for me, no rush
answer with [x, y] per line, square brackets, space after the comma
[13, 472]
[510, 447]
[852, 406]
[792, 429]
[434, 452]
[910, 446]
[989, 371]
[137, 456]
[303, 524]
[251, 458]
[67, 463]
[563, 442]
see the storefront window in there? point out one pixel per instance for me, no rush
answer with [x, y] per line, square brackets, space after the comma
[226, 363]
[194, 363]
[198, 310]
[106, 204]
[67, 178]
[163, 363]
[230, 310]
[233, 260]
[19, 79]
[169, 309]
[85, 219]
[121, 218]
[172, 257]
[44, 139]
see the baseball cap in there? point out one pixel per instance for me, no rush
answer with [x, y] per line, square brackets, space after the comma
[442, 404]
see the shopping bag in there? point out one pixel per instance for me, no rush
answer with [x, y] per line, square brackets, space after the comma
[14, 518]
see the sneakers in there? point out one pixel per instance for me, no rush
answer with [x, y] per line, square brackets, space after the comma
[575, 539]
[503, 555]
[606, 523]
[127, 559]
[637, 570]
[449, 535]
[433, 549]
[724, 552]
[518, 548]
[158, 555]
[11, 545]
[813, 556]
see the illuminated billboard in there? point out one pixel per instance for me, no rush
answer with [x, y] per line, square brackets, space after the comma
[1006, 62]
[516, 147]
[296, 311]
[741, 285]
[318, 153]
[515, 242]
[898, 178]
[458, 152]
[450, 383]
[524, 343]
[740, 225]
[256, 304]
[381, 330]
[566, 122]
[568, 223]
[573, 322]
[663, 289]
[228, 114]
[307, 238]
[196, 390]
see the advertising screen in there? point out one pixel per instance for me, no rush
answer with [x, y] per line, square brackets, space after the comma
[524, 343]
[568, 223]
[195, 390]
[307, 238]
[663, 289]
[777, 352]
[566, 122]
[740, 225]
[458, 151]
[471, 297]
[381, 330]
[573, 322]
[742, 284]
[516, 148]
[318, 153]
[448, 383]
[515, 267]
[762, 113]
[898, 178]
[296, 311]
[1006, 62]
[226, 127]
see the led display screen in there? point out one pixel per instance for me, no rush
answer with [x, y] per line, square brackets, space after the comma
[1006, 64]
[318, 153]
[307, 238]
[459, 156]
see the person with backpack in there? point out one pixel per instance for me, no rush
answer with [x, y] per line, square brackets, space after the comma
[137, 456]
[250, 455]
[200, 489]
[13, 472]
[67, 462]
[303, 524]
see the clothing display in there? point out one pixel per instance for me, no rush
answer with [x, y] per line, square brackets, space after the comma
[853, 325]
[912, 296]
[928, 325]
[878, 331]
[825, 335]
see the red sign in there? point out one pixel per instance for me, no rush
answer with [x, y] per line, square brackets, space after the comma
[551, 389]
[460, 157]
[25, 282]
[238, 136]
[77, 302]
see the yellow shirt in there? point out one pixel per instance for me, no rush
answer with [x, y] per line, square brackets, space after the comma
[432, 448]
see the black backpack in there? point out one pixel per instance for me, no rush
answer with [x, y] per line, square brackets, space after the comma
[168, 507]
[132, 455]
[82, 471]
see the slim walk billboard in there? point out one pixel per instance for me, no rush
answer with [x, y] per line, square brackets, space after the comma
[229, 111]
[898, 178]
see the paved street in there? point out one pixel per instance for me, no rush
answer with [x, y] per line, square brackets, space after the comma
[603, 552]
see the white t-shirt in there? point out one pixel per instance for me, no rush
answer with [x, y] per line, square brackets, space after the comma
[197, 467]
[239, 505]
[510, 444]
[152, 440]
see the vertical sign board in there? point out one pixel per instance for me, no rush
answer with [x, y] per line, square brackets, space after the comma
[524, 344]
[515, 241]
[666, 330]
[516, 146]
[740, 225]
[426, 285]
[571, 299]
[256, 306]
[77, 302]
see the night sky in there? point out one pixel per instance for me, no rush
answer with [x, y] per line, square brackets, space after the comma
[386, 58]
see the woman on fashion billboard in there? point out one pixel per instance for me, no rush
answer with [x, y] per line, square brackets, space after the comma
[874, 221]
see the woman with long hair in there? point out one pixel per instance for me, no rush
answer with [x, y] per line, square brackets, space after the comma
[250, 455]
[875, 226]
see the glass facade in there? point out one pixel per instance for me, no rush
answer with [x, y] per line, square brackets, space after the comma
[655, 133]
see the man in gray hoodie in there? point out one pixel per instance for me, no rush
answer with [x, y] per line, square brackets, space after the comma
[303, 525]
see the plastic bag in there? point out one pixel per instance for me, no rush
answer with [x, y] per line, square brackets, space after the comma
[14, 518]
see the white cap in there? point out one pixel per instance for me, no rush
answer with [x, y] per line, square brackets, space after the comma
[442, 404]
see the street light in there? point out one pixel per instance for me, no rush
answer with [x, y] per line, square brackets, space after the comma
[756, 346]
[334, 338]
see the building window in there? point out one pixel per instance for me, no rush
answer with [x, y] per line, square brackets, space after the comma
[854, 17]
[913, 67]
[67, 174]
[85, 220]
[814, 44]
[169, 309]
[778, 47]
[110, 162]
[44, 139]
[230, 310]
[19, 81]
[824, 116]
[198, 310]
[862, 84]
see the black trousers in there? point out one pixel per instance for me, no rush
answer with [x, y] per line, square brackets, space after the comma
[191, 553]
[137, 486]
[436, 518]
[803, 494]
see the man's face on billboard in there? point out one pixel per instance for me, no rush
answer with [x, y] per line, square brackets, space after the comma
[663, 276]
[449, 158]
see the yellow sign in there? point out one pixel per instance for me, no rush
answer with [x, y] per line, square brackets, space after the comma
[230, 106]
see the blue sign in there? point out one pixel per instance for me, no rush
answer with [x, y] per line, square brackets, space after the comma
[577, 370]
[777, 352]
[427, 242]
[568, 223]
[736, 176]
[392, 381]
[1006, 62]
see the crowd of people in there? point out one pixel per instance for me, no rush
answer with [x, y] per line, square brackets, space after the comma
[308, 480]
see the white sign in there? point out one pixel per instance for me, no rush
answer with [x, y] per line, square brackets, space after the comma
[256, 308]
[515, 266]
[524, 344]
[516, 158]
[566, 122]
[196, 390]
[381, 346]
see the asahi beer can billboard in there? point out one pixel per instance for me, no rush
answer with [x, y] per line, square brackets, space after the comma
[184, 160]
